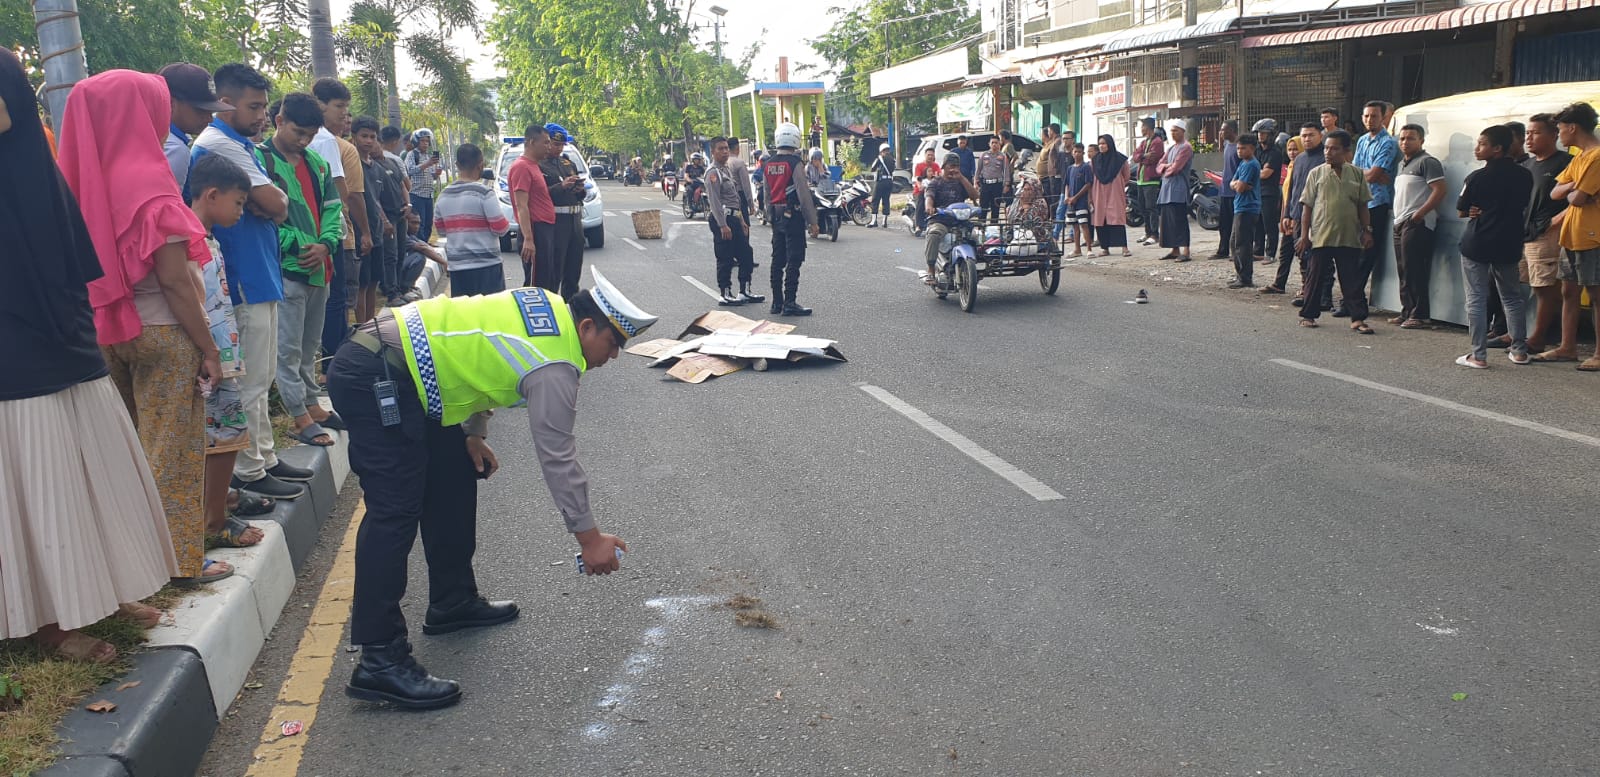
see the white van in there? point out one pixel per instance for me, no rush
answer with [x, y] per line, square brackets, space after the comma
[1452, 125]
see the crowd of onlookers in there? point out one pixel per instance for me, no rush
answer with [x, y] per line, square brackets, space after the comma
[187, 243]
[1337, 201]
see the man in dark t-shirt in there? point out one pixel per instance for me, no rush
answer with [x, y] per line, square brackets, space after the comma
[1494, 199]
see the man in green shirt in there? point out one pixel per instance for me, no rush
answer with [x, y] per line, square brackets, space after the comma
[1334, 229]
[307, 243]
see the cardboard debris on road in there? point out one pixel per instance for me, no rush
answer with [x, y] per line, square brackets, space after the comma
[722, 343]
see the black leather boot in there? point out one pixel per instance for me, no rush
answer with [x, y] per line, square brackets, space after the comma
[793, 308]
[388, 673]
[728, 299]
[471, 614]
[777, 305]
[746, 296]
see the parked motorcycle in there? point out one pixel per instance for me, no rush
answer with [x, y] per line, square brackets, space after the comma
[669, 185]
[630, 177]
[695, 200]
[856, 199]
[1204, 204]
[830, 209]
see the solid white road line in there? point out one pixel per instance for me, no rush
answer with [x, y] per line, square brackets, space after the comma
[612, 213]
[634, 243]
[710, 292]
[978, 453]
[1533, 426]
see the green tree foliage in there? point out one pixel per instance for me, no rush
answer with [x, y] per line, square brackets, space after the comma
[874, 34]
[149, 34]
[374, 36]
[620, 74]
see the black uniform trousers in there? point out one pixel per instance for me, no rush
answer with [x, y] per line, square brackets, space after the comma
[1323, 263]
[546, 267]
[788, 253]
[731, 252]
[415, 474]
[882, 189]
[991, 198]
[569, 254]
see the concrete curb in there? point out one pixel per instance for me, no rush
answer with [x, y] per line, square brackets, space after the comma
[197, 661]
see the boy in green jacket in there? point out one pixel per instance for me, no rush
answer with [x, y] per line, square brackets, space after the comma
[306, 243]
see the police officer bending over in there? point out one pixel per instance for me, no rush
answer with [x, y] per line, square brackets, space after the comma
[415, 386]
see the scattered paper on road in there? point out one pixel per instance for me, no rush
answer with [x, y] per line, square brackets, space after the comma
[722, 343]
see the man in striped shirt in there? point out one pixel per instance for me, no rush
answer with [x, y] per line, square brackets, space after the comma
[468, 215]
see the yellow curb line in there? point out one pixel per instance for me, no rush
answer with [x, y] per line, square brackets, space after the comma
[278, 755]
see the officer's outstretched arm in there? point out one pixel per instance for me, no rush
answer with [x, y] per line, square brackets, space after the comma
[551, 392]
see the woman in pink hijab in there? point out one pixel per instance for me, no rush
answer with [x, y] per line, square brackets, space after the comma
[149, 304]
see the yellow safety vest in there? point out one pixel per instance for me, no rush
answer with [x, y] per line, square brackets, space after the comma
[469, 354]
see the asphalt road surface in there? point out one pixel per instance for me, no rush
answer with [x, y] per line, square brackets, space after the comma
[1208, 542]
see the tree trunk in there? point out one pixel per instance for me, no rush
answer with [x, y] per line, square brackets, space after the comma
[323, 63]
[394, 88]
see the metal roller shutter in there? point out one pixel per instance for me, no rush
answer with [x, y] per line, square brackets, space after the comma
[1292, 83]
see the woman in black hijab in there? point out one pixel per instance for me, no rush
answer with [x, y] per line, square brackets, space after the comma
[1108, 197]
[81, 524]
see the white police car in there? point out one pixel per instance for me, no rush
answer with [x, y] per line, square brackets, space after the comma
[593, 209]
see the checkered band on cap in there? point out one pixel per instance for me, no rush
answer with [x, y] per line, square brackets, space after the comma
[419, 346]
[611, 312]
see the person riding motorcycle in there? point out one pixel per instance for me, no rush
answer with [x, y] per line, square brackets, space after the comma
[951, 187]
[694, 174]
[635, 172]
[667, 167]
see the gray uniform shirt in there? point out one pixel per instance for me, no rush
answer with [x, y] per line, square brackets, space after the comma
[725, 188]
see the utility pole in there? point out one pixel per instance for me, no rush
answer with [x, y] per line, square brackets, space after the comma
[319, 18]
[60, 51]
[722, 89]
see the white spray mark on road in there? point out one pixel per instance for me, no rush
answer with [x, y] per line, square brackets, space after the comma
[634, 243]
[1532, 426]
[1443, 631]
[622, 691]
[978, 453]
[672, 231]
[710, 292]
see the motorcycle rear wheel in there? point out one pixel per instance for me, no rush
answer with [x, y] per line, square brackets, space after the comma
[859, 214]
[967, 286]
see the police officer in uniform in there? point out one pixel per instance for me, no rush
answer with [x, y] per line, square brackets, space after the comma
[728, 192]
[414, 385]
[566, 191]
[792, 214]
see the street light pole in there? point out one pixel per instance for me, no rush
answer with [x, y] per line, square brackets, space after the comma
[722, 90]
[60, 51]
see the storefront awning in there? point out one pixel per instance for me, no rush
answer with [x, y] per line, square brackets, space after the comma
[1455, 18]
[929, 75]
[994, 79]
[1143, 39]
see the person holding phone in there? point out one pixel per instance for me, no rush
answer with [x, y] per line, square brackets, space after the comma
[422, 164]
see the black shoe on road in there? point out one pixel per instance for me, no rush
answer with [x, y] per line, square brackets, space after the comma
[727, 299]
[747, 297]
[388, 673]
[473, 614]
[270, 486]
[286, 471]
[777, 307]
[794, 309]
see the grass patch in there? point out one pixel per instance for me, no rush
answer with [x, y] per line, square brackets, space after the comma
[50, 687]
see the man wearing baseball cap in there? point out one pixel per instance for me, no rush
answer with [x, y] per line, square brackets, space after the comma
[194, 102]
[565, 182]
[415, 386]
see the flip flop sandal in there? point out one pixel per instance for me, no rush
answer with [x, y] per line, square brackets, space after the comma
[193, 582]
[1308, 323]
[310, 434]
[142, 615]
[334, 422]
[232, 530]
[1362, 329]
[77, 646]
[1591, 364]
[252, 505]
[1552, 356]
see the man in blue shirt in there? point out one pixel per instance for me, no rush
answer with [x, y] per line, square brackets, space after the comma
[255, 280]
[969, 163]
[1245, 185]
[1230, 165]
[1378, 156]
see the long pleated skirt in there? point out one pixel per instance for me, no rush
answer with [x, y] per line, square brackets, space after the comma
[82, 528]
